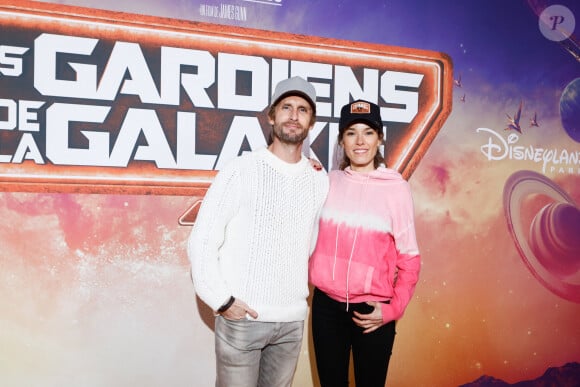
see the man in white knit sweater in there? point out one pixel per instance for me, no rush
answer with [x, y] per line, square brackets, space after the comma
[250, 245]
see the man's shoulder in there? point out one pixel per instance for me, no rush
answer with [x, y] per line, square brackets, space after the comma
[320, 179]
[321, 176]
[241, 161]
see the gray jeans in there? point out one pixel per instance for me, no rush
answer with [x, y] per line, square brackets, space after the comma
[255, 353]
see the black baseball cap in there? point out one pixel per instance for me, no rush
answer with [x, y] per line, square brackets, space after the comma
[360, 111]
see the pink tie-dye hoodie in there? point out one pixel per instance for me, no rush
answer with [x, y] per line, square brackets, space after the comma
[366, 248]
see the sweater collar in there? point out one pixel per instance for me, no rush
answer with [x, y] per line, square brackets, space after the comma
[283, 166]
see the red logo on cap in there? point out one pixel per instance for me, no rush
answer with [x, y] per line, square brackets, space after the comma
[360, 108]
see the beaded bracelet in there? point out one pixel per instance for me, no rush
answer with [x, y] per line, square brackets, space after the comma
[227, 305]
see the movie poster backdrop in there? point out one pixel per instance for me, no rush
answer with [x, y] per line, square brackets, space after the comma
[115, 117]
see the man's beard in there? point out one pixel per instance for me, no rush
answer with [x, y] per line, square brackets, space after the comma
[289, 138]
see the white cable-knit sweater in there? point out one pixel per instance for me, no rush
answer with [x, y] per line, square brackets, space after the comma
[254, 232]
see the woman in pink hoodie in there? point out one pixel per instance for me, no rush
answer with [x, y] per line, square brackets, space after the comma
[366, 261]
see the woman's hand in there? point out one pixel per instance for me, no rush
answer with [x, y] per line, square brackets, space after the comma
[315, 164]
[372, 321]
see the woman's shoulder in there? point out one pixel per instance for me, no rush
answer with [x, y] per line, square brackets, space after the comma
[335, 175]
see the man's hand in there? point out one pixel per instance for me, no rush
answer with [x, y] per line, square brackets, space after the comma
[238, 311]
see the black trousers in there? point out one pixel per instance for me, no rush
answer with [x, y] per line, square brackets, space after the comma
[335, 335]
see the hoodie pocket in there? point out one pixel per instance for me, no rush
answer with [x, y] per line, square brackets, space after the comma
[338, 278]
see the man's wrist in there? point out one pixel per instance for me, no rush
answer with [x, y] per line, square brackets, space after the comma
[227, 305]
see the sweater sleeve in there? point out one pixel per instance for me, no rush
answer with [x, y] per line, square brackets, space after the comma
[207, 236]
[407, 277]
[408, 260]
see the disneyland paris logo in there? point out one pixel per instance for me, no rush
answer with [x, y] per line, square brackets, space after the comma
[552, 160]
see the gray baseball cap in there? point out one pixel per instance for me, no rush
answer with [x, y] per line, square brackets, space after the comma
[295, 86]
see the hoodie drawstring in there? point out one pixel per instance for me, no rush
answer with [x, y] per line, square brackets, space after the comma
[362, 191]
